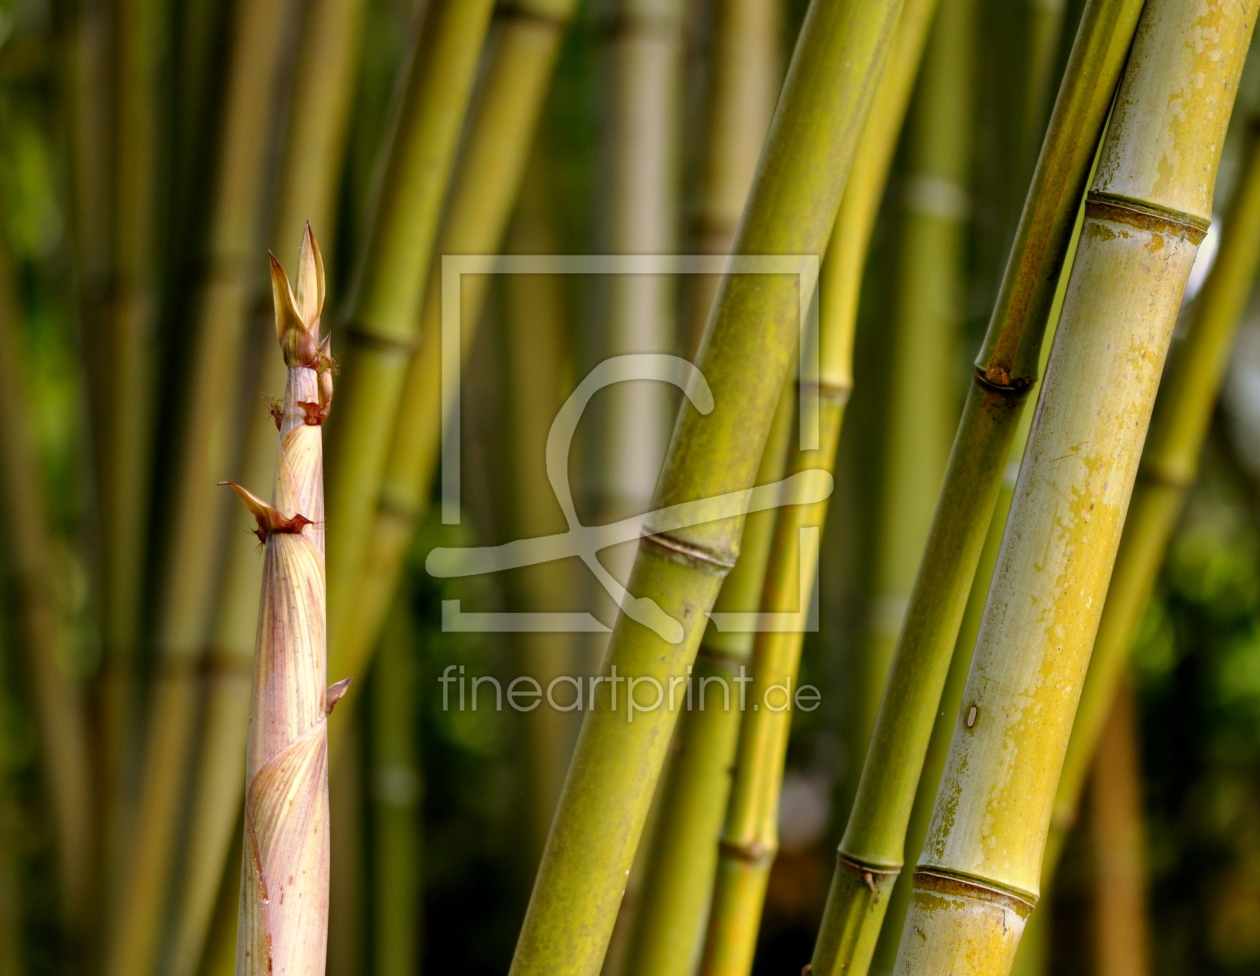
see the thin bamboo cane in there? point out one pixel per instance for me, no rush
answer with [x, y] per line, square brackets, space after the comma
[191, 561]
[1170, 463]
[644, 51]
[385, 312]
[63, 742]
[750, 839]
[1121, 939]
[921, 402]
[538, 370]
[396, 790]
[745, 71]
[1151, 200]
[678, 884]
[744, 356]
[284, 885]
[141, 30]
[314, 154]
[871, 851]
[525, 45]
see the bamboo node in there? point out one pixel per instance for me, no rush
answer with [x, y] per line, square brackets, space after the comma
[946, 882]
[1145, 216]
[997, 378]
[708, 560]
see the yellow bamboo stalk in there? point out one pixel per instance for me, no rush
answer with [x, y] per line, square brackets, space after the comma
[1121, 939]
[744, 356]
[385, 312]
[284, 886]
[678, 883]
[745, 71]
[526, 41]
[1170, 464]
[191, 561]
[307, 187]
[65, 764]
[979, 874]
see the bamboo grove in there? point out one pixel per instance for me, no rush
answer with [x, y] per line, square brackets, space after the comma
[769, 486]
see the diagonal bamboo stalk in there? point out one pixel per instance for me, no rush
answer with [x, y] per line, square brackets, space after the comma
[526, 42]
[871, 850]
[920, 400]
[191, 559]
[678, 882]
[284, 886]
[64, 755]
[979, 874]
[314, 152]
[384, 314]
[744, 356]
[1170, 464]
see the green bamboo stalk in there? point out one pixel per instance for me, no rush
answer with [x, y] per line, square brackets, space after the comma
[744, 356]
[538, 368]
[921, 398]
[979, 874]
[678, 883]
[745, 71]
[385, 312]
[284, 884]
[191, 561]
[140, 28]
[749, 839]
[871, 850]
[1121, 939]
[526, 42]
[314, 155]
[1170, 465]
[395, 791]
[65, 764]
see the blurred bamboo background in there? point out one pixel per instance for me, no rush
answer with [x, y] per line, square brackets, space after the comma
[152, 151]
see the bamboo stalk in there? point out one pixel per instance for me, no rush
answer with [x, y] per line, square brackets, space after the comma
[678, 885]
[1121, 940]
[1170, 465]
[749, 839]
[744, 357]
[921, 397]
[191, 561]
[314, 154]
[385, 311]
[526, 42]
[65, 765]
[132, 309]
[396, 791]
[745, 71]
[871, 850]
[979, 874]
[538, 371]
[960, 663]
[284, 887]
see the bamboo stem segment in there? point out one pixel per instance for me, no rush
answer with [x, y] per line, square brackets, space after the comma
[979, 874]
[873, 843]
[744, 357]
[1170, 463]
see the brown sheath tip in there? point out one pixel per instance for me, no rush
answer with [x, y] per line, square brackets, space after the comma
[335, 693]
